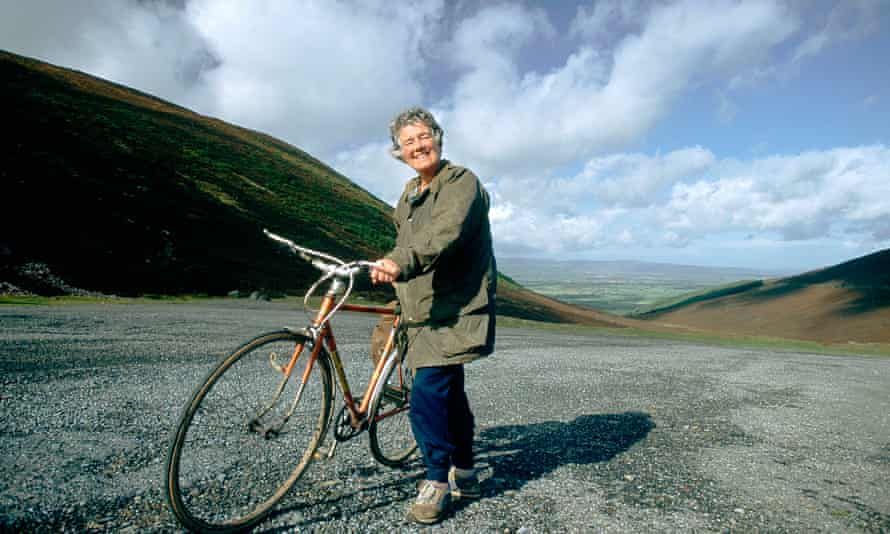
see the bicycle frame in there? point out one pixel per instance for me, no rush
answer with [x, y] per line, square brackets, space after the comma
[322, 333]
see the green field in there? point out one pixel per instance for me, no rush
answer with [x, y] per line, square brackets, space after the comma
[620, 287]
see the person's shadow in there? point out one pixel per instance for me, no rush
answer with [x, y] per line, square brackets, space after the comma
[507, 457]
[517, 454]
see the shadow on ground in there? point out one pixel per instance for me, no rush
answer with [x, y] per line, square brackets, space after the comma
[518, 454]
[508, 457]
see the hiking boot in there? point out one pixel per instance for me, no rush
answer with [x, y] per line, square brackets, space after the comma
[431, 504]
[464, 487]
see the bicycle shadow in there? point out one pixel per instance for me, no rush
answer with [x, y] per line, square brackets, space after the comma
[507, 457]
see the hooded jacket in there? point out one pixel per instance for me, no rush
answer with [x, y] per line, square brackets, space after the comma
[448, 277]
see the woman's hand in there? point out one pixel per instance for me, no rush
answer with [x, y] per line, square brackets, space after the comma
[385, 271]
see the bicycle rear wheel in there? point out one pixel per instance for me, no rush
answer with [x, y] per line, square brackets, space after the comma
[390, 434]
[227, 465]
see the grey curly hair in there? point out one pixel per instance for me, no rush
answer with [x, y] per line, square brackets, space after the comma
[413, 116]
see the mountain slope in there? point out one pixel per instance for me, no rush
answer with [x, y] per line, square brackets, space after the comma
[123, 192]
[843, 303]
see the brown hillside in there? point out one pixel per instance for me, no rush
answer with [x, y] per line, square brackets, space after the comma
[849, 302]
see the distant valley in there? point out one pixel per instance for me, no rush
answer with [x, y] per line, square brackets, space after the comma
[620, 287]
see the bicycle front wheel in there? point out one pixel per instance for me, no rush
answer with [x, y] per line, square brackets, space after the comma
[237, 448]
[391, 437]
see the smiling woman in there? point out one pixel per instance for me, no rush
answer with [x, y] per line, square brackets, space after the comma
[420, 151]
[444, 273]
[417, 140]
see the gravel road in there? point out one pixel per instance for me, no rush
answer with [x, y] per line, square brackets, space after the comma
[575, 433]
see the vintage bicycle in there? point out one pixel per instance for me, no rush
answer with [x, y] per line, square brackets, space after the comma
[251, 430]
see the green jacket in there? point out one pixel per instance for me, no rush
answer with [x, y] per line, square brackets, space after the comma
[448, 275]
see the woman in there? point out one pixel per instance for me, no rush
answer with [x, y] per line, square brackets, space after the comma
[443, 269]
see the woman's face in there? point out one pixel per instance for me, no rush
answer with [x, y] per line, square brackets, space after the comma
[419, 148]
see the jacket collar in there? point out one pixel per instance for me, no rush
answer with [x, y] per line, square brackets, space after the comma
[414, 197]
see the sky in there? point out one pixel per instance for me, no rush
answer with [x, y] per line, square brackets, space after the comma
[749, 134]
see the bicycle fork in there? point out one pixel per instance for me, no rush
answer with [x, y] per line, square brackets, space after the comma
[273, 429]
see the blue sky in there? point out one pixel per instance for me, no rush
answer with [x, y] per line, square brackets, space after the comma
[746, 134]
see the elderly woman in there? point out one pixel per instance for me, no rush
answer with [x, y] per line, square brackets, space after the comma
[443, 269]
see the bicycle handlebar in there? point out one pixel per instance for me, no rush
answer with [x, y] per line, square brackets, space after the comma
[330, 266]
[333, 267]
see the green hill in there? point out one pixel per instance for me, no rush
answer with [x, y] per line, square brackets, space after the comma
[120, 192]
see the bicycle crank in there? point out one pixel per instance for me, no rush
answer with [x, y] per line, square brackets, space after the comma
[343, 429]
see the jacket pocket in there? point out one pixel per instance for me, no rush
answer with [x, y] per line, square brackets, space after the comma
[468, 335]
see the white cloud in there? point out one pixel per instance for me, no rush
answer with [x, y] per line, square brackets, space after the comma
[637, 179]
[147, 45]
[527, 123]
[814, 194]
[324, 76]
[688, 195]
[519, 231]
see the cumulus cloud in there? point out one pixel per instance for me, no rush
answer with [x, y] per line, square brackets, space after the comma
[152, 46]
[636, 179]
[840, 194]
[594, 103]
[323, 76]
[814, 194]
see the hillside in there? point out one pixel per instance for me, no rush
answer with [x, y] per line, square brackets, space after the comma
[848, 302]
[125, 193]
[119, 192]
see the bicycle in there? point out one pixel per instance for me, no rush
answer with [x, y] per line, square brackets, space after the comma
[225, 467]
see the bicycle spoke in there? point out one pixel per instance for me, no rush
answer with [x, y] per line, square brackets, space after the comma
[228, 470]
[391, 437]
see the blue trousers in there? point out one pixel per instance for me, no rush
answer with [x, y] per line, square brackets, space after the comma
[441, 420]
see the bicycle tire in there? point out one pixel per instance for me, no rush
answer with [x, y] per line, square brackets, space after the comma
[222, 474]
[391, 438]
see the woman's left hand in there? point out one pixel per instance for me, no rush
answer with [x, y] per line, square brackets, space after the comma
[385, 271]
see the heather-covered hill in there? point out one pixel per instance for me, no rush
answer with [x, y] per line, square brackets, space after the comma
[848, 302]
[124, 193]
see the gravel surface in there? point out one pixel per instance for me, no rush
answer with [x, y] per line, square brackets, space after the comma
[575, 433]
